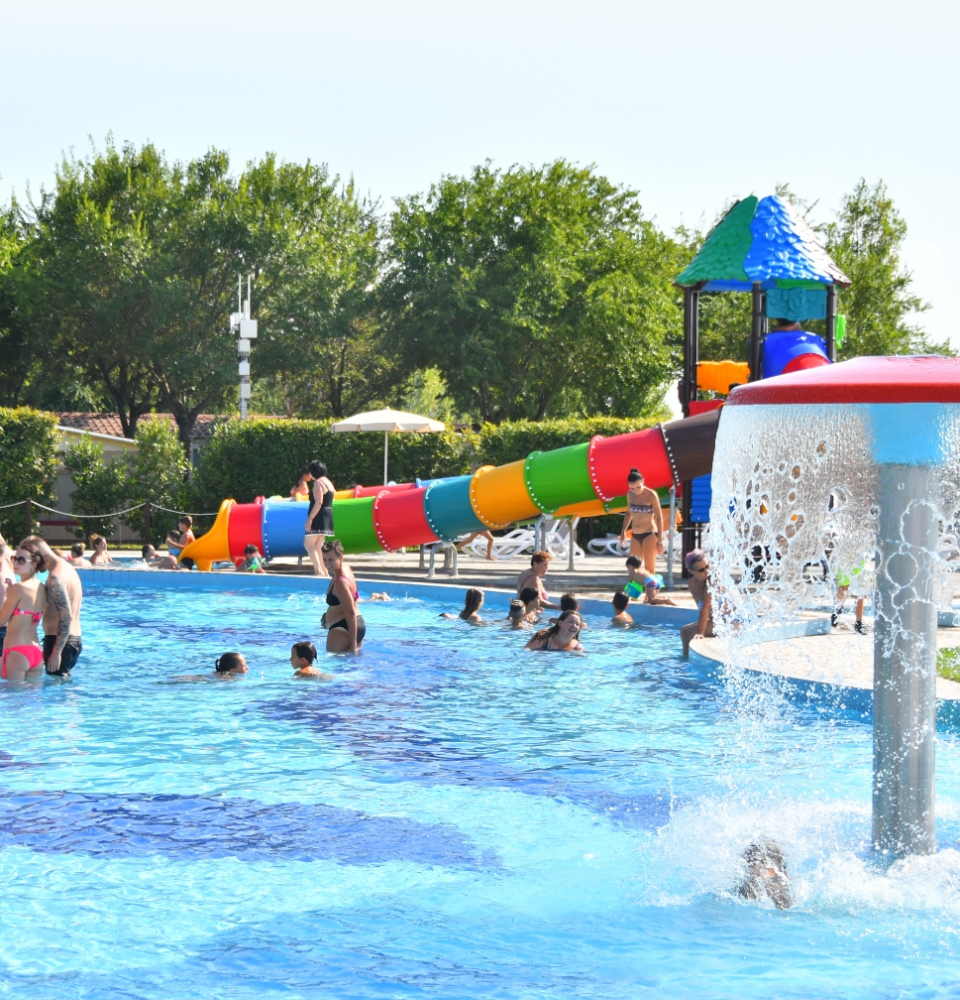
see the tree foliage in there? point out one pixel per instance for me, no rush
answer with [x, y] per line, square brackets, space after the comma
[99, 487]
[866, 240]
[534, 291]
[28, 464]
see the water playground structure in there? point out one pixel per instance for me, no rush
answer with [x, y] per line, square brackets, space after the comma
[872, 439]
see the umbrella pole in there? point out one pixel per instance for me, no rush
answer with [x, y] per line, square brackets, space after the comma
[386, 452]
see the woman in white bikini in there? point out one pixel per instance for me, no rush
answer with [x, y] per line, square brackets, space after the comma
[21, 613]
[645, 518]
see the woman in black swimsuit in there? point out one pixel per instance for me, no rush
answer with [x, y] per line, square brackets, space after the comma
[346, 625]
[645, 517]
[319, 526]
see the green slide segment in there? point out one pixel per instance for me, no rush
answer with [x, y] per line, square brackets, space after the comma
[558, 478]
[353, 520]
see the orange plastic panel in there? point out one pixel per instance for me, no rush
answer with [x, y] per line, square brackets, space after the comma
[499, 495]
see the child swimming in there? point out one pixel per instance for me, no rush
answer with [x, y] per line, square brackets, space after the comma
[302, 657]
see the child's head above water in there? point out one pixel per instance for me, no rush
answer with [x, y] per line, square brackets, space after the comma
[620, 602]
[302, 655]
[569, 603]
[231, 663]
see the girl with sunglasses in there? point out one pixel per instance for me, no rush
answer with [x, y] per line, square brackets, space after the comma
[21, 613]
[696, 561]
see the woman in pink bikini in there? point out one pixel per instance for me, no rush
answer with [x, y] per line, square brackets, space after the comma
[21, 613]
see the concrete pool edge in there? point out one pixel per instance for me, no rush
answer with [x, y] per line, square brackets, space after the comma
[448, 593]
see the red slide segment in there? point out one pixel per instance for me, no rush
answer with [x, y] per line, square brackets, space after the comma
[400, 520]
[373, 491]
[610, 459]
[245, 527]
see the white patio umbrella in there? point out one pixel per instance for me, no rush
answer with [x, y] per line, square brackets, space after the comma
[390, 422]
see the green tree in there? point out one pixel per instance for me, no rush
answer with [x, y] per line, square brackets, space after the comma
[99, 487]
[28, 464]
[425, 393]
[866, 241]
[534, 291]
[317, 250]
[158, 476]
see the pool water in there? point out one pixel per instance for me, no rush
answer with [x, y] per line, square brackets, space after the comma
[450, 817]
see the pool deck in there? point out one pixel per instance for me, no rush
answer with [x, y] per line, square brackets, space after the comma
[837, 658]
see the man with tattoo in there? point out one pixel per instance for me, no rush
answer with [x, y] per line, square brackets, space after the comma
[61, 620]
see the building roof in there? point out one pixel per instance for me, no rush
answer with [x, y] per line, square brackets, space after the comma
[109, 423]
[765, 240]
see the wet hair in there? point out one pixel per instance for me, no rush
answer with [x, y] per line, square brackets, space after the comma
[633, 562]
[471, 602]
[549, 633]
[230, 661]
[634, 476]
[693, 556]
[305, 650]
[529, 594]
[540, 557]
[317, 469]
[185, 519]
[143, 551]
[517, 608]
[334, 545]
[620, 601]
[251, 550]
[569, 603]
[77, 549]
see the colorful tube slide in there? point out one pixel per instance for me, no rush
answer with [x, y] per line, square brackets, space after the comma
[583, 480]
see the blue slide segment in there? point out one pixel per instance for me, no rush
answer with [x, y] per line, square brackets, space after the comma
[283, 526]
[449, 511]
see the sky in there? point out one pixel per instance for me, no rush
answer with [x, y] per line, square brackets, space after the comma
[692, 104]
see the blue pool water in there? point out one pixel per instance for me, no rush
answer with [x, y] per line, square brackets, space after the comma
[451, 817]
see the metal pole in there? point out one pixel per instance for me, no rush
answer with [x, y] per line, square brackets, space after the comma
[831, 322]
[431, 571]
[146, 522]
[905, 664]
[571, 544]
[756, 332]
[386, 452]
[673, 522]
[454, 555]
[28, 515]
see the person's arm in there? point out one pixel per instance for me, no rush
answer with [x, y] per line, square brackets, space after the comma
[704, 616]
[13, 595]
[626, 524]
[58, 598]
[658, 520]
[349, 610]
[545, 604]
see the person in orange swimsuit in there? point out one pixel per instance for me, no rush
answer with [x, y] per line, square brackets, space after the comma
[21, 613]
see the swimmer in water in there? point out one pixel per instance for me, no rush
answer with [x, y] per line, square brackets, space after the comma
[472, 603]
[564, 637]
[302, 657]
[765, 872]
[227, 667]
[620, 614]
[517, 615]
[530, 598]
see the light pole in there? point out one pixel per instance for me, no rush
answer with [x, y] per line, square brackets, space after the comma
[246, 330]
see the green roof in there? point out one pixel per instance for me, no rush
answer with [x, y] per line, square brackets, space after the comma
[722, 255]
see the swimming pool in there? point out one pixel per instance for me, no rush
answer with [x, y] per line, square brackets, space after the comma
[450, 817]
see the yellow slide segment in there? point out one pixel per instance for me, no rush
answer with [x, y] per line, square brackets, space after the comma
[211, 547]
[498, 495]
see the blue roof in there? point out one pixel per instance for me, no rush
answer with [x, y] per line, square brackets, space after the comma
[782, 251]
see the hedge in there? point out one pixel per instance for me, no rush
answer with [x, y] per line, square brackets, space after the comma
[248, 458]
[28, 465]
